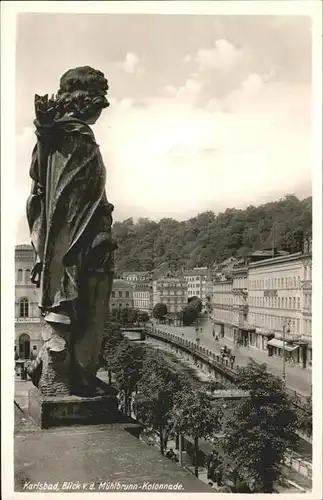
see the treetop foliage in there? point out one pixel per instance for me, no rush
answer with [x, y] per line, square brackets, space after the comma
[260, 428]
[160, 310]
[209, 238]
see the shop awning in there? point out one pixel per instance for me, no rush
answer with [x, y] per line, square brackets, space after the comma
[280, 344]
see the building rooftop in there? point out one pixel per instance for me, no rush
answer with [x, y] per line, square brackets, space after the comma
[159, 271]
[24, 247]
[195, 272]
[120, 283]
[136, 273]
[276, 260]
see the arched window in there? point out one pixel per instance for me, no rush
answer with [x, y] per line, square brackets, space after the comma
[27, 275]
[23, 308]
[19, 276]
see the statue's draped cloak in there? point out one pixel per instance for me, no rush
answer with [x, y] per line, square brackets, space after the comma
[69, 218]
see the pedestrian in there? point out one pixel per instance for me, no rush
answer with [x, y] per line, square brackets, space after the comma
[213, 333]
[223, 356]
[232, 359]
[170, 454]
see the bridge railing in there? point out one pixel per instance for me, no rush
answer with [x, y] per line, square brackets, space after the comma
[211, 358]
[216, 361]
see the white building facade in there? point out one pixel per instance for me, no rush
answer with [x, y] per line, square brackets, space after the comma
[199, 284]
[121, 294]
[28, 321]
[279, 296]
[143, 296]
[171, 291]
[222, 307]
[267, 305]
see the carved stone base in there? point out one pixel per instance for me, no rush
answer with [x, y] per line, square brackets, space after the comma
[54, 411]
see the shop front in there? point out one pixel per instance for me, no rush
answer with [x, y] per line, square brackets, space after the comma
[243, 335]
[276, 347]
[260, 337]
[305, 352]
[219, 328]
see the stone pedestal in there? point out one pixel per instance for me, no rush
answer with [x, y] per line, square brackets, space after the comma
[74, 410]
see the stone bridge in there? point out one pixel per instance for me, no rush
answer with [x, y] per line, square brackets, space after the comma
[134, 333]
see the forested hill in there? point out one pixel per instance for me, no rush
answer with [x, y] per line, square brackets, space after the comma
[209, 238]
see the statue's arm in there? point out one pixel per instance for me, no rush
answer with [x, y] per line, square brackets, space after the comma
[35, 192]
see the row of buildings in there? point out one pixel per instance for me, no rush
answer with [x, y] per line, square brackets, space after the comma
[257, 301]
[266, 303]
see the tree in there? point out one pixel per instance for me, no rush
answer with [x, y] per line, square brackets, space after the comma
[305, 417]
[156, 390]
[112, 337]
[260, 429]
[192, 310]
[195, 303]
[143, 317]
[160, 311]
[127, 368]
[206, 238]
[194, 415]
[128, 316]
[189, 315]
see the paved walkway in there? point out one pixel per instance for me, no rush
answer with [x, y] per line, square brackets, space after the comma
[297, 378]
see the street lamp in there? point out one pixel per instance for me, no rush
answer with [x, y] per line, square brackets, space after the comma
[286, 324]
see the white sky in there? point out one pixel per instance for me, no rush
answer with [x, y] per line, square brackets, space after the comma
[207, 112]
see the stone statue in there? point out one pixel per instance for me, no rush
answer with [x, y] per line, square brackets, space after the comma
[70, 222]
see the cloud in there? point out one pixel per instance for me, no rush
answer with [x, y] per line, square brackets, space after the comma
[188, 93]
[131, 64]
[170, 156]
[224, 56]
[230, 127]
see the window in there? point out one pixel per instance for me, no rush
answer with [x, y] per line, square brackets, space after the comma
[120, 294]
[293, 326]
[298, 303]
[278, 283]
[34, 348]
[290, 303]
[113, 294]
[19, 276]
[278, 302]
[294, 302]
[27, 275]
[127, 295]
[23, 308]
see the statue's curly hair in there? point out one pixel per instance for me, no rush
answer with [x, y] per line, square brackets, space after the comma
[82, 92]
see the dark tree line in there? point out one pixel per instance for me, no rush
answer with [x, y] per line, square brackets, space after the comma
[209, 238]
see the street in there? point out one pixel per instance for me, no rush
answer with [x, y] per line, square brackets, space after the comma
[297, 379]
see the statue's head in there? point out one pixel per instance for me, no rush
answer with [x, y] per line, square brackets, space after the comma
[82, 93]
